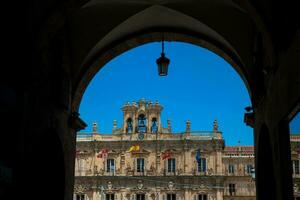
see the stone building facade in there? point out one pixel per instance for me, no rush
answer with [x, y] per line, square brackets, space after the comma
[295, 157]
[143, 160]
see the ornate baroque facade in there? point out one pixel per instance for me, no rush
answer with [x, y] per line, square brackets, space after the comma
[143, 160]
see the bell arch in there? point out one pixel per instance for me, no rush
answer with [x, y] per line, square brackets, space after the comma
[129, 126]
[142, 123]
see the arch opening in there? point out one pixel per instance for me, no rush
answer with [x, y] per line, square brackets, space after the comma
[142, 162]
[294, 145]
[95, 63]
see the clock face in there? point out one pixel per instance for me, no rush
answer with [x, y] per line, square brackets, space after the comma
[141, 136]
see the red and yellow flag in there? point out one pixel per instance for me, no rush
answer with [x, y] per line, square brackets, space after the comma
[134, 148]
[102, 153]
[166, 154]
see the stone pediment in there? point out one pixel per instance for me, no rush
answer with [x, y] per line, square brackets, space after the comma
[142, 151]
[195, 151]
[202, 151]
[113, 152]
[173, 151]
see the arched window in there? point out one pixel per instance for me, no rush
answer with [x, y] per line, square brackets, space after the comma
[154, 127]
[142, 128]
[129, 128]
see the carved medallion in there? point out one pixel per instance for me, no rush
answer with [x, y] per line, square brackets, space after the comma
[171, 185]
[140, 185]
[141, 136]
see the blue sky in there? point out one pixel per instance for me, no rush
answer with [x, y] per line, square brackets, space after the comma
[295, 124]
[200, 86]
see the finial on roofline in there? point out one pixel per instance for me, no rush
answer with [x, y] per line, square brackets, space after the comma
[95, 127]
[216, 126]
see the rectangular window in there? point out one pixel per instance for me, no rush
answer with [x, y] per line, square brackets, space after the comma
[202, 197]
[140, 164]
[295, 164]
[231, 169]
[110, 167]
[231, 189]
[171, 196]
[202, 165]
[110, 196]
[140, 196]
[80, 196]
[171, 165]
[249, 168]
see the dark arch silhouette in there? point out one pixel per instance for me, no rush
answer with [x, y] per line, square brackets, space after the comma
[46, 177]
[264, 166]
[148, 36]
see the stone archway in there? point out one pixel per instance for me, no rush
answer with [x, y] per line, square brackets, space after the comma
[103, 57]
[157, 40]
[51, 19]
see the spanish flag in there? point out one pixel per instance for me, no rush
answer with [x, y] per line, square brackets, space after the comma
[134, 148]
[102, 153]
[166, 154]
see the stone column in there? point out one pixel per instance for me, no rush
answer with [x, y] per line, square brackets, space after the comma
[220, 190]
[95, 196]
[219, 194]
[219, 164]
[187, 194]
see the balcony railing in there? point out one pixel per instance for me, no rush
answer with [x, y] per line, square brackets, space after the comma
[162, 172]
[147, 172]
[195, 135]
[84, 137]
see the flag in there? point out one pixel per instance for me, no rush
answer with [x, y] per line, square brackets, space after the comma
[102, 153]
[198, 157]
[166, 154]
[134, 148]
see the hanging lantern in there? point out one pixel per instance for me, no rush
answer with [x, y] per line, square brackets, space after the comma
[162, 63]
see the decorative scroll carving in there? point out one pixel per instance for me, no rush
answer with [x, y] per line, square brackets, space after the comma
[79, 189]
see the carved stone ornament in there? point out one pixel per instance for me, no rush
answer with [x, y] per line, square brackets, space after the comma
[109, 185]
[79, 189]
[171, 185]
[212, 197]
[296, 188]
[152, 195]
[140, 185]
